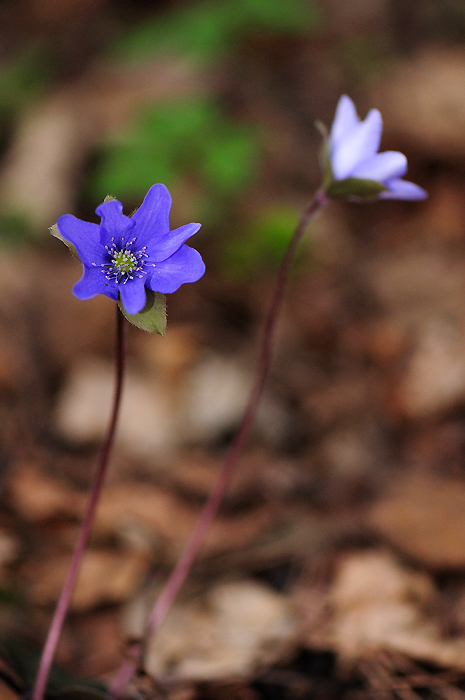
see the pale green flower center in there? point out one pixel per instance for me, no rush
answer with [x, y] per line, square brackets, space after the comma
[124, 261]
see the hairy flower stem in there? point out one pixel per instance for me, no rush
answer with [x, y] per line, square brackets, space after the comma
[56, 625]
[182, 568]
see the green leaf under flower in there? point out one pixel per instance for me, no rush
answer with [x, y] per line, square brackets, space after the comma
[355, 187]
[152, 318]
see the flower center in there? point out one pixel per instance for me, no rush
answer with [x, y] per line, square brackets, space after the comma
[124, 262]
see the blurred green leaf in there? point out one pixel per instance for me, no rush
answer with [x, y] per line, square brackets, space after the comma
[206, 30]
[191, 143]
[230, 159]
[364, 58]
[263, 243]
[15, 228]
[23, 78]
[191, 139]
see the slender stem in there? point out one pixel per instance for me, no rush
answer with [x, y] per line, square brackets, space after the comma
[182, 568]
[56, 625]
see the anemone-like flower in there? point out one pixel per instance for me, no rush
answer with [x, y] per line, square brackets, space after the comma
[124, 255]
[353, 153]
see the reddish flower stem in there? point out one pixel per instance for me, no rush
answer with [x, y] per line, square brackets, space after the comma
[56, 625]
[182, 568]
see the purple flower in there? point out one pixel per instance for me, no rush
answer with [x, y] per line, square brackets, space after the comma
[124, 255]
[353, 153]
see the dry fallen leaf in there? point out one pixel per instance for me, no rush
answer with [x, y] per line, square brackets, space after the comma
[379, 604]
[105, 577]
[168, 517]
[424, 516]
[233, 630]
[36, 496]
[146, 425]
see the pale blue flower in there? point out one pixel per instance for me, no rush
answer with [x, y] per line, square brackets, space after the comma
[353, 153]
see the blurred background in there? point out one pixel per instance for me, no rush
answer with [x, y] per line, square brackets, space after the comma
[344, 532]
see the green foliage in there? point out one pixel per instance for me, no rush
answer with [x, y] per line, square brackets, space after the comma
[230, 159]
[152, 318]
[363, 58]
[23, 78]
[189, 140]
[191, 144]
[206, 30]
[263, 243]
[15, 228]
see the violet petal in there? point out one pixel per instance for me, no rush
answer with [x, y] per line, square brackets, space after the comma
[133, 295]
[84, 236]
[403, 189]
[186, 265]
[345, 119]
[165, 247]
[382, 167]
[115, 226]
[152, 218]
[360, 145]
[93, 282]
